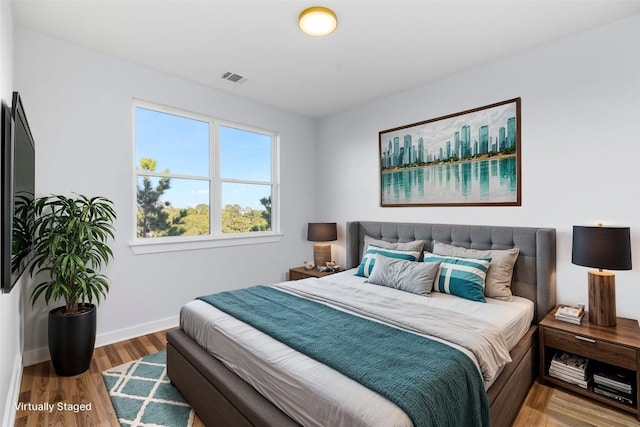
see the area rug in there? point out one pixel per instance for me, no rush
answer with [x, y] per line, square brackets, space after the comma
[142, 395]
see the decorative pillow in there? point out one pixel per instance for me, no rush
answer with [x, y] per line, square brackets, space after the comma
[463, 277]
[498, 281]
[409, 276]
[368, 260]
[415, 245]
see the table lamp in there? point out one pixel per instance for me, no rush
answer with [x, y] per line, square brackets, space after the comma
[602, 248]
[322, 232]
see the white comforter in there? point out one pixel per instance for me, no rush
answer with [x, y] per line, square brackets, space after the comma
[416, 315]
[314, 394]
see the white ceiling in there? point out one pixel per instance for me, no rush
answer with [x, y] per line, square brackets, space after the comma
[379, 48]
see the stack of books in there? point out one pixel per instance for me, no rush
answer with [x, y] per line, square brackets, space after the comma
[568, 313]
[570, 368]
[615, 383]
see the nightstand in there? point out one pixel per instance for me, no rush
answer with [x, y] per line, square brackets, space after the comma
[617, 346]
[302, 273]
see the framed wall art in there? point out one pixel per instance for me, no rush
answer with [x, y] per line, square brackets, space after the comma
[471, 158]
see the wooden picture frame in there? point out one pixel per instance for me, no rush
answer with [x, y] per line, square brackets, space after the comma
[470, 158]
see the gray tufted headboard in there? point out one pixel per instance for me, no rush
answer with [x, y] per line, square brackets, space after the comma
[534, 275]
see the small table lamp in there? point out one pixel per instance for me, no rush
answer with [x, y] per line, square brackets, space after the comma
[602, 248]
[322, 232]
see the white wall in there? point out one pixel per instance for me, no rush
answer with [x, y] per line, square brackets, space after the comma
[580, 146]
[10, 304]
[580, 133]
[79, 106]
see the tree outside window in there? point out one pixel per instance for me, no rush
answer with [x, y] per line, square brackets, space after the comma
[196, 176]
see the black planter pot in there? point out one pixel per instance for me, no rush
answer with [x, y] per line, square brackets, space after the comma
[71, 340]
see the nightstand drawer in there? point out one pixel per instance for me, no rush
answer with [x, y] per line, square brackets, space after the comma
[297, 275]
[591, 348]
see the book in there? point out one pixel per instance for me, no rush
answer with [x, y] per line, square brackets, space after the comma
[616, 378]
[569, 319]
[570, 311]
[570, 368]
[569, 372]
[569, 379]
[625, 388]
[563, 375]
[630, 394]
[571, 314]
[570, 361]
[613, 395]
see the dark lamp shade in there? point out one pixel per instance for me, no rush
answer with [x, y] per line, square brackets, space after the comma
[322, 232]
[607, 248]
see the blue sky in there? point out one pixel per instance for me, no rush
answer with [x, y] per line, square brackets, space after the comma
[181, 145]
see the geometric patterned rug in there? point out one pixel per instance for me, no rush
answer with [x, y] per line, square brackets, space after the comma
[142, 395]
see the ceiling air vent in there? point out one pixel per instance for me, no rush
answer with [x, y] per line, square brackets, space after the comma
[233, 77]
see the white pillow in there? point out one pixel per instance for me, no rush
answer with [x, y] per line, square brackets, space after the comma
[414, 245]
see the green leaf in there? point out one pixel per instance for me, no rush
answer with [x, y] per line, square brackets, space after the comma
[70, 244]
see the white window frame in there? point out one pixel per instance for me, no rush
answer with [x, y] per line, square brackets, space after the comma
[215, 238]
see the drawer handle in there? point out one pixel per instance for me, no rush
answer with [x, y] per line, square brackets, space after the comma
[578, 337]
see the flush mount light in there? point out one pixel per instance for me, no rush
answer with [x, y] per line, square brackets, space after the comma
[317, 21]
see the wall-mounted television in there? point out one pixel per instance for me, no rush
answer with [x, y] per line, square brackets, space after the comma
[18, 188]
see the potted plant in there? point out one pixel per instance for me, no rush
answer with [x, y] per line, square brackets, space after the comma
[70, 236]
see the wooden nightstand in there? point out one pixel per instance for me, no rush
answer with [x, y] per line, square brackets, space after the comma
[618, 346]
[302, 273]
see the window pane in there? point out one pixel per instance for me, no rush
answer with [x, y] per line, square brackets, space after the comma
[244, 154]
[245, 207]
[172, 207]
[178, 144]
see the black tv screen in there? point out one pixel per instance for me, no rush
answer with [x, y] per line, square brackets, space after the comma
[18, 188]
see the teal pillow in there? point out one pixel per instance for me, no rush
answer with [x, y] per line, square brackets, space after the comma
[463, 277]
[368, 260]
[498, 281]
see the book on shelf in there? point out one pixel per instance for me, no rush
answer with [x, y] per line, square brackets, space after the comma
[618, 379]
[583, 383]
[569, 313]
[570, 368]
[624, 388]
[568, 372]
[630, 394]
[570, 361]
[626, 398]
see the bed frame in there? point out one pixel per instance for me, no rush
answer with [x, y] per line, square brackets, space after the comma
[220, 397]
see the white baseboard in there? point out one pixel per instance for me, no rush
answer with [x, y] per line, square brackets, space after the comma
[13, 395]
[38, 355]
[136, 331]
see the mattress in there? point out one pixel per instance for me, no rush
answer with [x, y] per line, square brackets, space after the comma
[310, 392]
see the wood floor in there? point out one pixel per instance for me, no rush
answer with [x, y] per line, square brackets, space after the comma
[41, 384]
[544, 406]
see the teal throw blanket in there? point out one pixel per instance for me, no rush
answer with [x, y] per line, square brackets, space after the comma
[433, 383]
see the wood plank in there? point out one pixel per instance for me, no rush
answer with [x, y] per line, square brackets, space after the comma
[549, 406]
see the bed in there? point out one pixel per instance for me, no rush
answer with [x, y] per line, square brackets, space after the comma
[221, 397]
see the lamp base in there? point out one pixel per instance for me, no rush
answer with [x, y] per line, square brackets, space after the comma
[321, 254]
[602, 298]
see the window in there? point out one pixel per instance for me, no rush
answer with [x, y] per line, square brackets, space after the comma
[198, 178]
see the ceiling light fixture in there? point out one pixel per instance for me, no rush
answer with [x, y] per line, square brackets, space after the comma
[317, 21]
